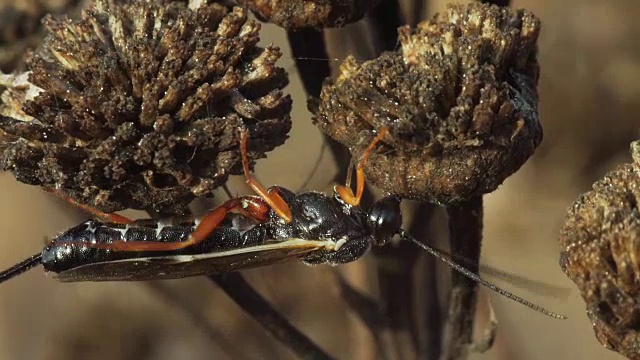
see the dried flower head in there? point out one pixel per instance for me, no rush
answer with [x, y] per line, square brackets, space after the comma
[301, 14]
[138, 105]
[460, 100]
[20, 27]
[601, 253]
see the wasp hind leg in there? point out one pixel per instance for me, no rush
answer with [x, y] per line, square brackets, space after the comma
[255, 207]
[271, 196]
[250, 206]
[108, 217]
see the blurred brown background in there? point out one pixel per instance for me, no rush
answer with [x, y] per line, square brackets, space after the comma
[590, 97]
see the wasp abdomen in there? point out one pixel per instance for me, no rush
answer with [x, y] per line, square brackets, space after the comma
[72, 248]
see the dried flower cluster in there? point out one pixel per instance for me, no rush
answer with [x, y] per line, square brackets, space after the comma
[138, 105]
[20, 27]
[601, 253]
[300, 14]
[459, 97]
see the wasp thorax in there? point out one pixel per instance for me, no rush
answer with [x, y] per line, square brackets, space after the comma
[600, 252]
[137, 105]
[459, 98]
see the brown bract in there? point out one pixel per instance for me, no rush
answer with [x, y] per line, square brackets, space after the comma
[301, 14]
[20, 27]
[459, 98]
[601, 253]
[138, 105]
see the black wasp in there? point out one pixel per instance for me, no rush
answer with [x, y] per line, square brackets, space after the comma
[275, 226]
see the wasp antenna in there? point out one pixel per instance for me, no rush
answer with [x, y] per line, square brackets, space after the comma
[466, 272]
[21, 267]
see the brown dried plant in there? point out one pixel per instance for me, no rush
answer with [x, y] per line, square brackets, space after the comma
[138, 105]
[599, 244]
[459, 96]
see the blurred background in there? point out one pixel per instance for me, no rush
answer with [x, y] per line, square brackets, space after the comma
[589, 100]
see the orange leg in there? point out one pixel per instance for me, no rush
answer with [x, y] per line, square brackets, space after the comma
[271, 197]
[108, 217]
[345, 192]
[251, 206]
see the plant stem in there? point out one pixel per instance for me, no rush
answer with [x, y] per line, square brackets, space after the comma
[418, 10]
[259, 309]
[465, 238]
[395, 279]
[370, 313]
[497, 2]
[430, 326]
[309, 51]
[395, 264]
[427, 312]
[198, 318]
[386, 18]
[310, 54]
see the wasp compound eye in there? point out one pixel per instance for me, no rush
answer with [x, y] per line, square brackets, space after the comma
[459, 98]
[301, 14]
[600, 245]
[138, 105]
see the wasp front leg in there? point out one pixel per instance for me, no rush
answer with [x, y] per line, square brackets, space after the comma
[345, 192]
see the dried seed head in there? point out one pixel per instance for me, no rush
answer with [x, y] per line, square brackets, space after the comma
[20, 27]
[601, 253]
[301, 14]
[460, 100]
[138, 105]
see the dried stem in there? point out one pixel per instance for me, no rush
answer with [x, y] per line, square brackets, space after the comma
[497, 2]
[370, 313]
[430, 327]
[428, 320]
[309, 48]
[386, 18]
[465, 228]
[395, 264]
[310, 52]
[395, 271]
[418, 10]
[486, 341]
[198, 318]
[259, 309]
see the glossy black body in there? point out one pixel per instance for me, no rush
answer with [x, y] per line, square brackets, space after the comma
[323, 230]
